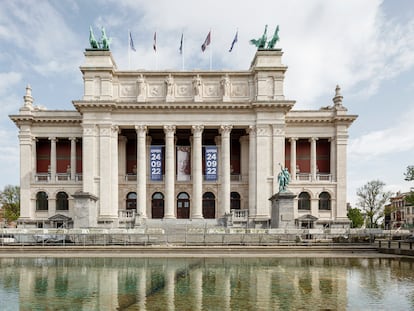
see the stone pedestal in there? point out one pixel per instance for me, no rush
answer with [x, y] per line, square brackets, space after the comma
[85, 211]
[282, 210]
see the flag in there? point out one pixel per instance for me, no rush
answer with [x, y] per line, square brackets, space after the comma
[181, 43]
[131, 42]
[154, 45]
[206, 42]
[234, 41]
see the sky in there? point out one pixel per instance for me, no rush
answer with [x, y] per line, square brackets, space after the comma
[366, 47]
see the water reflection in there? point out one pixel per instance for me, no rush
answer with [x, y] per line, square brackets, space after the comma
[206, 284]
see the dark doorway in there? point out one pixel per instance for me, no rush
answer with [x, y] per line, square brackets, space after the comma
[157, 205]
[183, 205]
[209, 205]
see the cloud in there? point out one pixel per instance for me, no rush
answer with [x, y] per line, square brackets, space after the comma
[325, 43]
[391, 140]
[38, 31]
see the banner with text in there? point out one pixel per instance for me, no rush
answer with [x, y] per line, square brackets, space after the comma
[210, 153]
[156, 162]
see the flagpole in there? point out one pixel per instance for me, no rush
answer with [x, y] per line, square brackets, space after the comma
[211, 51]
[182, 53]
[129, 52]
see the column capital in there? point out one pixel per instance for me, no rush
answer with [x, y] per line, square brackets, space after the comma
[72, 138]
[251, 130]
[53, 139]
[169, 129]
[140, 128]
[115, 129]
[197, 129]
[225, 129]
[313, 139]
[291, 139]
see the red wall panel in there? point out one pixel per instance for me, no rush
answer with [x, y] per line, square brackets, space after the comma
[42, 155]
[303, 155]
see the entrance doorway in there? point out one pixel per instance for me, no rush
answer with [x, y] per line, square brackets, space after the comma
[209, 205]
[157, 205]
[183, 205]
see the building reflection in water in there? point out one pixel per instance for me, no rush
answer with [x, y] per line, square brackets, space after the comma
[202, 284]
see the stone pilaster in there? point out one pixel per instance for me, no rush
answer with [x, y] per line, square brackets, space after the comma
[89, 154]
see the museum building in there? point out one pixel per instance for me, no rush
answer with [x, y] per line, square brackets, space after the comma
[141, 146]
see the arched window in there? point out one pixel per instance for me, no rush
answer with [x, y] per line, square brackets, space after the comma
[62, 203]
[304, 201]
[131, 200]
[209, 205]
[325, 201]
[41, 201]
[234, 200]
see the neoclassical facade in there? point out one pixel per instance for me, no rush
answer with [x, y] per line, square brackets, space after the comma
[199, 145]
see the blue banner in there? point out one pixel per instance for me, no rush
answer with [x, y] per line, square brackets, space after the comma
[211, 163]
[156, 162]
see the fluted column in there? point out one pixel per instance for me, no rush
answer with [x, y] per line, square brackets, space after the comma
[72, 158]
[169, 131]
[52, 158]
[225, 176]
[313, 157]
[197, 172]
[252, 170]
[141, 170]
[293, 157]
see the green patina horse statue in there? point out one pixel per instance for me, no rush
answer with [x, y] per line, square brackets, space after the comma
[261, 42]
[274, 39]
[105, 41]
[92, 41]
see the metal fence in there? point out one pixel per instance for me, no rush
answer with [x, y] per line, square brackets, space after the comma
[191, 236]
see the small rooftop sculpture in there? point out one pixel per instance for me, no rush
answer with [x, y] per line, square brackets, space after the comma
[103, 44]
[261, 42]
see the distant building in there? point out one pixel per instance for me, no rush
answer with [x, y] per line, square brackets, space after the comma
[401, 211]
[199, 145]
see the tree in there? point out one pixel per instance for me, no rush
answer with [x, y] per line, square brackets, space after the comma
[355, 216]
[372, 198]
[409, 174]
[10, 202]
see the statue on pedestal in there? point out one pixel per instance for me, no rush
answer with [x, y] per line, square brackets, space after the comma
[283, 178]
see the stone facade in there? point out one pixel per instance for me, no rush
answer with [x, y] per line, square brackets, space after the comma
[234, 130]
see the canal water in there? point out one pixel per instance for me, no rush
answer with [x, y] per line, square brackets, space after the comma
[206, 284]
